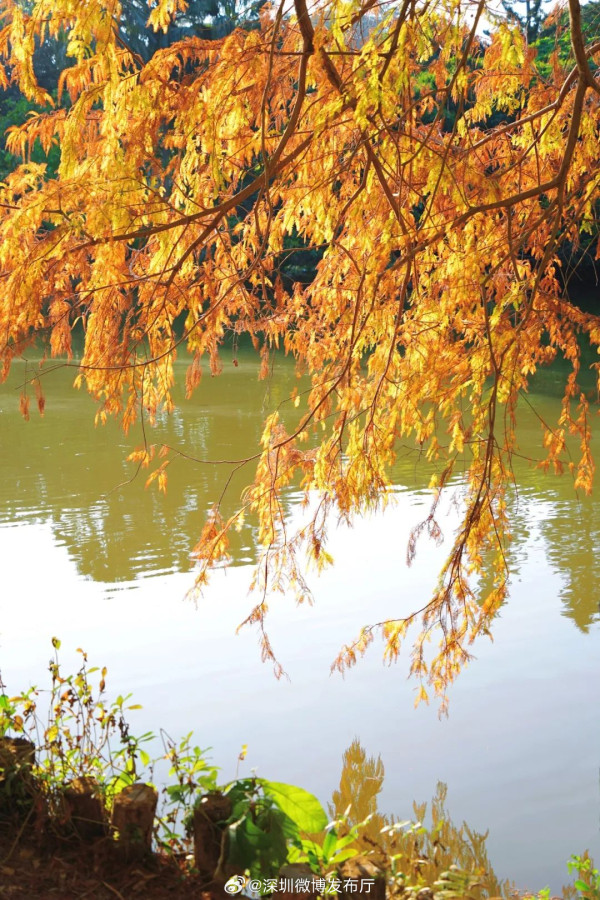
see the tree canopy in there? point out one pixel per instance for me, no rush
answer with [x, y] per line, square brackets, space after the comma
[186, 179]
[530, 19]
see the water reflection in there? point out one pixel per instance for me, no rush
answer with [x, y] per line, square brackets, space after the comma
[424, 856]
[63, 471]
[519, 751]
[572, 537]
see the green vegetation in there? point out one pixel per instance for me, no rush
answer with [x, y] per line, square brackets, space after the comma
[263, 825]
[14, 111]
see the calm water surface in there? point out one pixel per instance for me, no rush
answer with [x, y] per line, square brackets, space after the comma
[104, 564]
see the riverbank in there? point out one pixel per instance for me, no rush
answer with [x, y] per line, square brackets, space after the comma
[78, 820]
[34, 869]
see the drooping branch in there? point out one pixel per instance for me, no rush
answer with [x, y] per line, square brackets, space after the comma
[186, 183]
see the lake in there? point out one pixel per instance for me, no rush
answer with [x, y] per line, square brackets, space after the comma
[89, 555]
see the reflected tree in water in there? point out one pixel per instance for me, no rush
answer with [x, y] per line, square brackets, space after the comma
[423, 855]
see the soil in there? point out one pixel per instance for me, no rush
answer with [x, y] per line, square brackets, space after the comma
[49, 868]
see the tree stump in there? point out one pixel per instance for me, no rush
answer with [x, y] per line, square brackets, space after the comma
[85, 809]
[210, 834]
[17, 791]
[360, 876]
[297, 880]
[133, 818]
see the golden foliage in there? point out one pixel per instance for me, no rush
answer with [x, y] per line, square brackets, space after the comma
[421, 854]
[438, 293]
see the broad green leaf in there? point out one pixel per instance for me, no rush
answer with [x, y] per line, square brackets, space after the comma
[301, 807]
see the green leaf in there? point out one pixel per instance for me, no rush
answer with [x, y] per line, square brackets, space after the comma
[253, 834]
[301, 807]
[330, 843]
[313, 860]
[175, 791]
[246, 841]
[347, 839]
